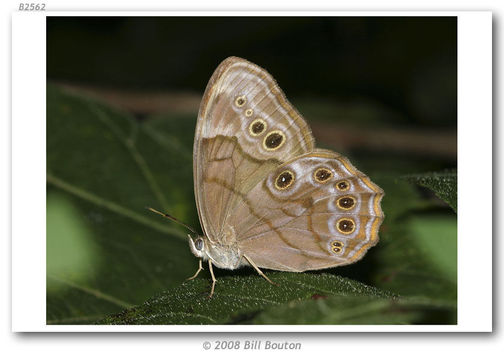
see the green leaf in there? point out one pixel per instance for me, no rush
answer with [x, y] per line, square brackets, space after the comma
[441, 249]
[355, 310]
[444, 185]
[239, 298]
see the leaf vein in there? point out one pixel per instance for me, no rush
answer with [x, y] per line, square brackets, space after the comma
[94, 292]
[111, 206]
[137, 157]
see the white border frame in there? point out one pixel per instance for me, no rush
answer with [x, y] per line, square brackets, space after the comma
[29, 187]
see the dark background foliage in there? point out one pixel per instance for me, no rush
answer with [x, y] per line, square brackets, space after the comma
[122, 105]
[408, 64]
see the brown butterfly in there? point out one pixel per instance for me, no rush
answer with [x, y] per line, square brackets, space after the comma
[266, 197]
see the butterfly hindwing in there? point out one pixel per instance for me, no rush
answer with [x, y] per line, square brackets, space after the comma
[315, 211]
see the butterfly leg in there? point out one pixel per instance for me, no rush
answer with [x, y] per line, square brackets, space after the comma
[259, 270]
[200, 267]
[213, 278]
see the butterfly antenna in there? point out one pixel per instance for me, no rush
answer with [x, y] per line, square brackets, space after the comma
[168, 216]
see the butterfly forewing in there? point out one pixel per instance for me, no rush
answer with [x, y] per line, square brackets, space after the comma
[246, 128]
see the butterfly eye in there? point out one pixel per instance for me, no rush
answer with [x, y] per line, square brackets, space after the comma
[284, 180]
[274, 140]
[345, 226]
[198, 244]
[257, 127]
[346, 202]
[343, 185]
[322, 175]
[240, 101]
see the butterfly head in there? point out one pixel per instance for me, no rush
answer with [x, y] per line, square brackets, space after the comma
[197, 244]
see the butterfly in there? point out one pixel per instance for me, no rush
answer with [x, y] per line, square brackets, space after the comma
[266, 196]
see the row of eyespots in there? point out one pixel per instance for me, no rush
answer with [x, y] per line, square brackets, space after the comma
[286, 178]
[273, 140]
[344, 225]
[322, 175]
